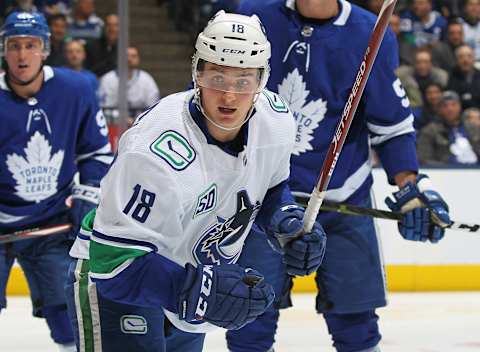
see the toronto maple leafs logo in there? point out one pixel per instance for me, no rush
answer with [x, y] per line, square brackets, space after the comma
[308, 115]
[36, 174]
[222, 242]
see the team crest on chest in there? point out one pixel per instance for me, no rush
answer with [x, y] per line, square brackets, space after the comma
[222, 242]
[308, 115]
[36, 174]
[174, 148]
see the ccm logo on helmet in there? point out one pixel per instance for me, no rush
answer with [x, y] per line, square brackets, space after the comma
[234, 51]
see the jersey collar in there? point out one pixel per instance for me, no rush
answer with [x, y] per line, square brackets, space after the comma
[199, 120]
[47, 75]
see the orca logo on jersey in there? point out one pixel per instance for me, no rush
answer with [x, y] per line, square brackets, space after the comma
[172, 147]
[205, 289]
[207, 201]
[223, 241]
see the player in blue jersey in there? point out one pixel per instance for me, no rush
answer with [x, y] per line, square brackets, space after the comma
[156, 264]
[317, 46]
[51, 129]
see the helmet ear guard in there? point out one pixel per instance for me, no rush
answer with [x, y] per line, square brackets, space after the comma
[25, 24]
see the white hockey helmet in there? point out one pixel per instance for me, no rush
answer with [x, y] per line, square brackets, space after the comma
[236, 41]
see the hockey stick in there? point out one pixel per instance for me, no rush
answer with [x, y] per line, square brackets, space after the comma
[34, 233]
[378, 213]
[333, 153]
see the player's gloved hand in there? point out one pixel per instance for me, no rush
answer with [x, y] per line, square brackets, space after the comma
[302, 254]
[84, 198]
[225, 295]
[425, 212]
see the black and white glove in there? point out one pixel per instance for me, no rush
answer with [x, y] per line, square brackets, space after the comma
[302, 253]
[225, 295]
[84, 198]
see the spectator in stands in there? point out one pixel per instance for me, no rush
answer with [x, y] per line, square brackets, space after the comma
[449, 8]
[471, 117]
[83, 23]
[75, 57]
[19, 5]
[142, 91]
[443, 53]
[55, 7]
[58, 38]
[448, 141]
[406, 50]
[415, 79]
[421, 25]
[428, 112]
[102, 53]
[471, 26]
[465, 78]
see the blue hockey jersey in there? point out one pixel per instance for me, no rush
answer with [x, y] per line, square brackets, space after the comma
[313, 67]
[44, 141]
[419, 33]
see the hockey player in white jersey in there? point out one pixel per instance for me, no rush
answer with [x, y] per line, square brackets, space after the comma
[191, 176]
[51, 129]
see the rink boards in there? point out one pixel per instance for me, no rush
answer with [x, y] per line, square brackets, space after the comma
[453, 264]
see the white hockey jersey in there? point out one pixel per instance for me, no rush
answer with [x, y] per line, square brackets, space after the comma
[172, 192]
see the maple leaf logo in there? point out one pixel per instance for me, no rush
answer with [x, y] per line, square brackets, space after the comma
[308, 116]
[37, 174]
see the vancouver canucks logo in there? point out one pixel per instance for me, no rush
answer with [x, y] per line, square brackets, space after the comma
[36, 174]
[223, 241]
[308, 115]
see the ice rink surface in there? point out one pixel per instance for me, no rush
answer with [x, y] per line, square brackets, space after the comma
[413, 322]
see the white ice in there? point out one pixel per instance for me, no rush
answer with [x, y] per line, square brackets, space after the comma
[413, 322]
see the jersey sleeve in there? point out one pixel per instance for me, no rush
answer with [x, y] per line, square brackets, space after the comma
[389, 117]
[136, 223]
[93, 150]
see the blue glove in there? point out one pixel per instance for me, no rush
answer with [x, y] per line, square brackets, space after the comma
[84, 199]
[425, 212]
[302, 253]
[225, 295]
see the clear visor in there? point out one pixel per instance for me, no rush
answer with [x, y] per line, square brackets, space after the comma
[229, 79]
[32, 43]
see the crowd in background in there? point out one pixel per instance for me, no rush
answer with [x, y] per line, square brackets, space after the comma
[439, 56]
[84, 42]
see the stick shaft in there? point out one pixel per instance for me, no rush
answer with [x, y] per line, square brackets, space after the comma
[34, 232]
[349, 110]
[380, 214]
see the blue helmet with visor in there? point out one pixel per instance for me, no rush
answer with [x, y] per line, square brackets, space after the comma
[25, 24]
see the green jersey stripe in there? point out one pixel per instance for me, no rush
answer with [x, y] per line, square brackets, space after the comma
[104, 259]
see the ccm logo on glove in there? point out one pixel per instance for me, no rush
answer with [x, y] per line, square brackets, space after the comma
[205, 290]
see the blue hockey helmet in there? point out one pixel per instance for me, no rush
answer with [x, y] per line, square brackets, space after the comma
[25, 24]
